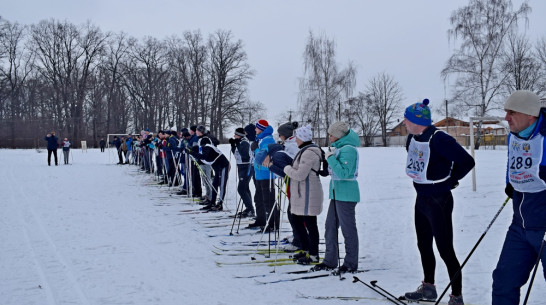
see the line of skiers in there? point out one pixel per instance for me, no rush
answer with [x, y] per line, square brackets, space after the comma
[435, 162]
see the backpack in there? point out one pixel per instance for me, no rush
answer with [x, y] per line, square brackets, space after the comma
[323, 169]
[124, 146]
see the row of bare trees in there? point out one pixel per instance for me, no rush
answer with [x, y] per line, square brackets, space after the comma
[85, 83]
[493, 58]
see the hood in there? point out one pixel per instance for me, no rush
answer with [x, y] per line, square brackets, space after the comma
[267, 132]
[250, 130]
[350, 139]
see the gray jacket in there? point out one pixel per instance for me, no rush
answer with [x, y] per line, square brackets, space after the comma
[306, 193]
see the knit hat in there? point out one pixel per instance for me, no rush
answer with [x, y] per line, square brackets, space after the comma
[193, 128]
[287, 129]
[250, 130]
[240, 132]
[184, 130]
[304, 133]
[419, 113]
[523, 101]
[262, 124]
[201, 129]
[338, 129]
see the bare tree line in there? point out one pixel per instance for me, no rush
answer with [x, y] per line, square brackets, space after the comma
[493, 58]
[85, 83]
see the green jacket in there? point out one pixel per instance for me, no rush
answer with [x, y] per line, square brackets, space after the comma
[343, 168]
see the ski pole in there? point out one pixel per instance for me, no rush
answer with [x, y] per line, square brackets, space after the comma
[356, 279]
[535, 271]
[472, 251]
[337, 231]
[235, 217]
[374, 283]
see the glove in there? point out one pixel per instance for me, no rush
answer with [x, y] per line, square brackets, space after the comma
[509, 190]
[254, 146]
[328, 154]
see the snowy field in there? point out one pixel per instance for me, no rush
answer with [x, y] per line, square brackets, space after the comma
[95, 233]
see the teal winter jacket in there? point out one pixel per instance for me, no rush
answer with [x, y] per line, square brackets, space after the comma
[343, 168]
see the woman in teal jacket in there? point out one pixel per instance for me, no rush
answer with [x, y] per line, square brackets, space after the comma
[344, 195]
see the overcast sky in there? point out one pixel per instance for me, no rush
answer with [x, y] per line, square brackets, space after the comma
[406, 39]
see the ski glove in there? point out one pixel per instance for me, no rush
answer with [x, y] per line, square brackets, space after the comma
[509, 190]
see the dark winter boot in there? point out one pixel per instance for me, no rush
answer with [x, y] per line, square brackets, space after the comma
[425, 292]
[455, 300]
[308, 259]
[321, 266]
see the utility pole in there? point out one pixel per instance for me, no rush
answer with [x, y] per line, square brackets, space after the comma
[447, 120]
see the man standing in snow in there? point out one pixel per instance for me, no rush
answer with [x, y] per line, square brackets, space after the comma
[240, 147]
[344, 194]
[52, 144]
[526, 185]
[435, 162]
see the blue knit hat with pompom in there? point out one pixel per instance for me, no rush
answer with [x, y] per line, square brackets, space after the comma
[419, 113]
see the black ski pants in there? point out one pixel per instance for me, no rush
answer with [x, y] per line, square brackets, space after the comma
[243, 188]
[265, 199]
[307, 230]
[54, 152]
[433, 221]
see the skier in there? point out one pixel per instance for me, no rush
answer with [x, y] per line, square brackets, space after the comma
[117, 143]
[52, 145]
[306, 195]
[344, 195]
[435, 162]
[240, 147]
[66, 149]
[279, 156]
[210, 155]
[526, 185]
[102, 144]
[265, 188]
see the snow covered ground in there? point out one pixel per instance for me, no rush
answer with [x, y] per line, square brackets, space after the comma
[99, 233]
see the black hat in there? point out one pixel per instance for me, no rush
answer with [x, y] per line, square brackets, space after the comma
[240, 132]
[250, 130]
[193, 128]
[186, 134]
[287, 129]
[202, 129]
[183, 130]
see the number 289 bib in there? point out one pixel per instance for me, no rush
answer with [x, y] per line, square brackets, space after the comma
[524, 157]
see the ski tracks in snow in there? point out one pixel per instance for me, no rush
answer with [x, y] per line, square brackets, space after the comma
[54, 274]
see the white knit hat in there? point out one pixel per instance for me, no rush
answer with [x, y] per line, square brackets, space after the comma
[304, 133]
[339, 129]
[523, 101]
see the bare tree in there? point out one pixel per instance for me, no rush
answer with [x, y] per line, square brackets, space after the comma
[324, 86]
[521, 65]
[482, 27]
[229, 72]
[15, 67]
[384, 95]
[361, 114]
[145, 77]
[541, 58]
